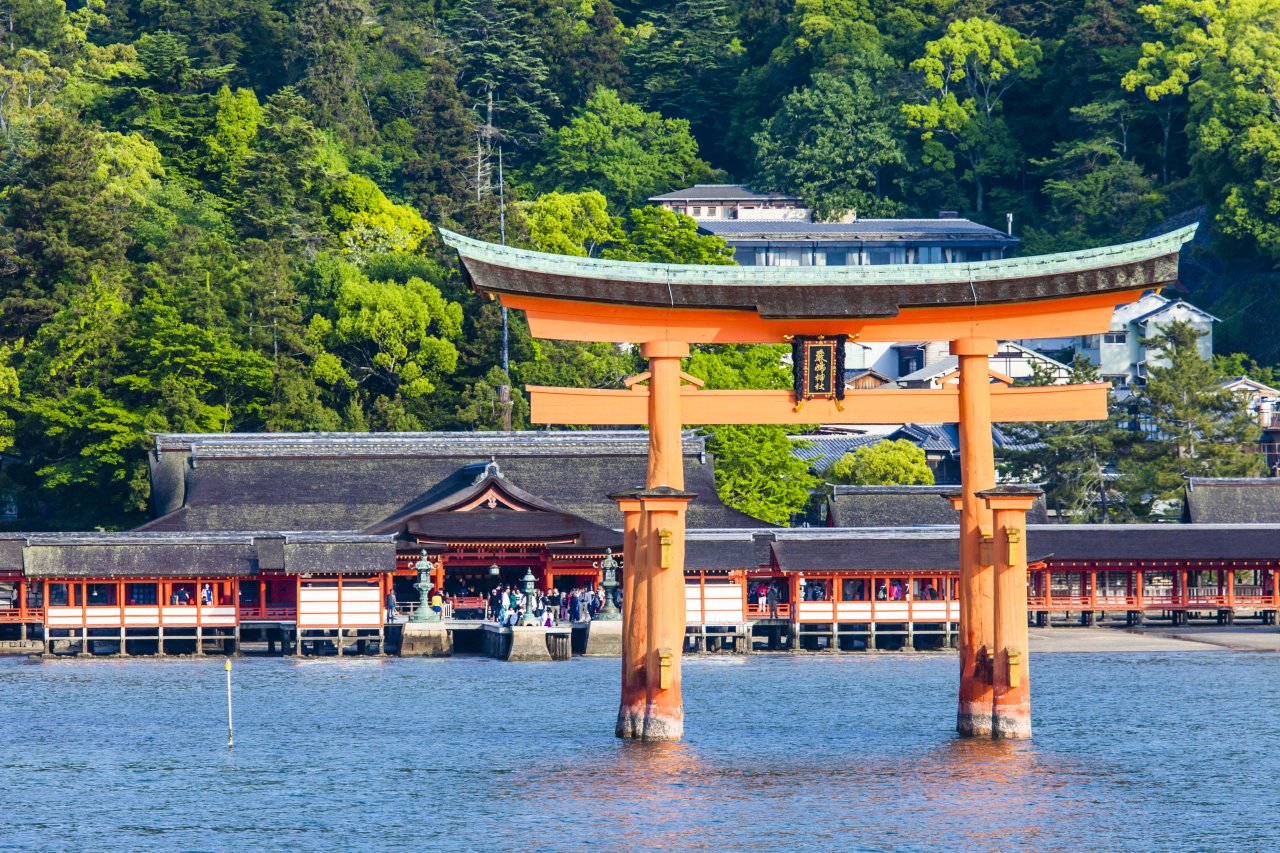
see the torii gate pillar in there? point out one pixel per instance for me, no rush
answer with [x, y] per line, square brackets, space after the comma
[1011, 688]
[653, 576]
[977, 576]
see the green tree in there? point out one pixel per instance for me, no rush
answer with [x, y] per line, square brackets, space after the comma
[885, 463]
[982, 60]
[1098, 195]
[329, 43]
[65, 225]
[583, 45]
[568, 223]
[277, 185]
[1191, 427]
[621, 151]
[502, 75]
[830, 143]
[756, 471]
[684, 61]
[483, 408]
[1226, 55]
[1075, 461]
[399, 338]
[665, 237]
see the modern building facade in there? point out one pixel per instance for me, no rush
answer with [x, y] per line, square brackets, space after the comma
[775, 229]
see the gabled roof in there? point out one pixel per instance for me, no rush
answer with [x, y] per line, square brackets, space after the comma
[1171, 306]
[1007, 350]
[854, 374]
[726, 192]
[490, 510]
[1240, 383]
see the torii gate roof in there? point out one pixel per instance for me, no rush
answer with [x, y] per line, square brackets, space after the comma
[564, 294]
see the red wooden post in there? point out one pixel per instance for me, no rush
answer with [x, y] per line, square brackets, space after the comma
[1011, 706]
[977, 577]
[635, 621]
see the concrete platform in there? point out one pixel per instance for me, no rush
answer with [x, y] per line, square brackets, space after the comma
[528, 643]
[604, 638]
[425, 639]
[21, 647]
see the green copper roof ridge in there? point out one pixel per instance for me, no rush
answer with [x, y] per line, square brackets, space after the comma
[1039, 265]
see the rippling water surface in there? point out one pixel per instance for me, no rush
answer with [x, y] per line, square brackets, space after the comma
[1171, 752]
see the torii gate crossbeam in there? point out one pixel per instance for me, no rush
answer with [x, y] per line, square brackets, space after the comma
[665, 308]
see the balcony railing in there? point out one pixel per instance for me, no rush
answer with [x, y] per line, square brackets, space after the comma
[270, 612]
[755, 610]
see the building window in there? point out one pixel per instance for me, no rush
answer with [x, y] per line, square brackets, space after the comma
[141, 593]
[697, 211]
[837, 259]
[745, 257]
[880, 257]
[58, 595]
[784, 257]
[1115, 338]
[1091, 341]
[102, 595]
[931, 255]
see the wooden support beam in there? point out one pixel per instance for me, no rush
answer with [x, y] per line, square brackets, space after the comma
[569, 320]
[606, 407]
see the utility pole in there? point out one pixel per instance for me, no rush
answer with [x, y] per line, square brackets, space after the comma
[504, 391]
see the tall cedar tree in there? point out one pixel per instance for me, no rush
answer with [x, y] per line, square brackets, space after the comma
[501, 74]
[327, 57]
[686, 68]
[65, 229]
[1191, 427]
[1073, 460]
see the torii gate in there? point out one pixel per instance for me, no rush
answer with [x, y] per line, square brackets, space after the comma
[665, 308]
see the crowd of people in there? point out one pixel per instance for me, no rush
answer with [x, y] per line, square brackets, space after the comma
[506, 604]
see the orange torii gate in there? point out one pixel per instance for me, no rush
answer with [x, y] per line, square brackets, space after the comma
[665, 308]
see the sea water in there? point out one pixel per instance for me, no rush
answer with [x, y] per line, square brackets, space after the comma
[1143, 751]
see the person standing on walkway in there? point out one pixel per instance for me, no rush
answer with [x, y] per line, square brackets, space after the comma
[771, 595]
[391, 606]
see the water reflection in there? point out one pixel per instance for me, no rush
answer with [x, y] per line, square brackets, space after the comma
[781, 754]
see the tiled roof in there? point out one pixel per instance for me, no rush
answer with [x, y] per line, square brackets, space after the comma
[1234, 500]
[827, 449]
[352, 482]
[728, 192]
[962, 229]
[523, 443]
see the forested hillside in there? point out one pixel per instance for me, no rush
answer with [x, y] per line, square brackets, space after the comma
[219, 214]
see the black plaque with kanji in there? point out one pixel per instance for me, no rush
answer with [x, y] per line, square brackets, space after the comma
[819, 367]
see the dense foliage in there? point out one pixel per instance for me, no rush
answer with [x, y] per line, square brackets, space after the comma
[221, 214]
[885, 463]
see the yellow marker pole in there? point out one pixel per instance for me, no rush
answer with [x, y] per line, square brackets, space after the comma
[230, 739]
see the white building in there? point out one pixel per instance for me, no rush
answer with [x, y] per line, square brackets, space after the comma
[1119, 353]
